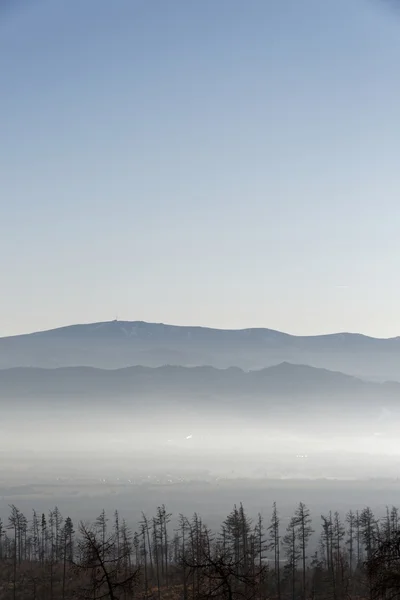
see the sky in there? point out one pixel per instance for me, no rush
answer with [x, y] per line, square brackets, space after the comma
[226, 163]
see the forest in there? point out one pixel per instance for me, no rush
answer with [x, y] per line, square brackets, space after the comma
[48, 557]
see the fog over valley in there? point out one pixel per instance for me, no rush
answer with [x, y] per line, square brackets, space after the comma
[288, 420]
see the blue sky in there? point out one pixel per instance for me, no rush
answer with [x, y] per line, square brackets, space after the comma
[213, 162]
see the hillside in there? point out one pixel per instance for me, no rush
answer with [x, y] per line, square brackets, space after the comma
[295, 399]
[282, 379]
[118, 344]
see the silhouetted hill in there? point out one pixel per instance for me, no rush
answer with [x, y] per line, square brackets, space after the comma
[280, 380]
[292, 398]
[118, 344]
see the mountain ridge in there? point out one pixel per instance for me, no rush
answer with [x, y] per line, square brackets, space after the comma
[283, 376]
[117, 344]
[288, 396]
[121, 325]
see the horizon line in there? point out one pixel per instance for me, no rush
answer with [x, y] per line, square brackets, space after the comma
[222, 329]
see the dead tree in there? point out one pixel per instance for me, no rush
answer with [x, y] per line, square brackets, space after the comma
[104, 564]
[221, 569]
[383, 569]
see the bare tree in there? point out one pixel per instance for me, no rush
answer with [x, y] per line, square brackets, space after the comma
[303, 523]
[383, 569]
[292, 552]
[103, 563]
[222, 572]
[351, 538]
[274, 545]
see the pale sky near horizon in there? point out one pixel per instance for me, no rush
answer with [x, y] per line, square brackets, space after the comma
[227, 163]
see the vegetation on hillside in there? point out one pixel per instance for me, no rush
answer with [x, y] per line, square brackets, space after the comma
[47, 558]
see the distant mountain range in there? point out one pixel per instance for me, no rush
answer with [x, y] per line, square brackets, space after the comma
[119, 344]
[290, 397]
[281, 380]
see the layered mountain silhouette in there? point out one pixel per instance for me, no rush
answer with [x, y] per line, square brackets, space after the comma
[280, 380]
[119, 344]
[291, 397]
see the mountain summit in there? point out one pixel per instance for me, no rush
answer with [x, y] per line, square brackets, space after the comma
[117, 344]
